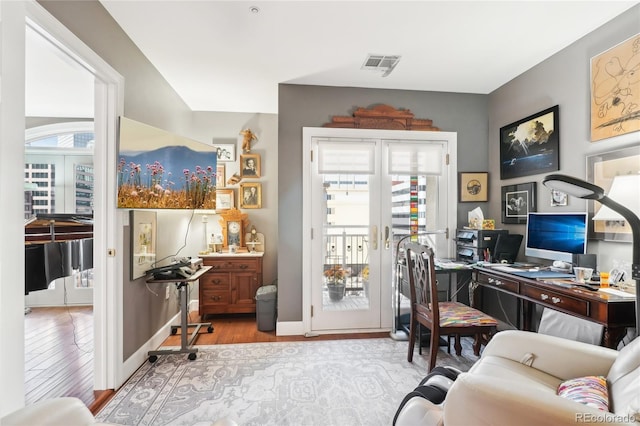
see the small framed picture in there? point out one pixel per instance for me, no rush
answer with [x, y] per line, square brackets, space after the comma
[474, 187]
[517, 201]
[225, 199]
[558, 198]
[220, 176]
[250, 165]
[226, 152]
[250, 195]
[143, 242]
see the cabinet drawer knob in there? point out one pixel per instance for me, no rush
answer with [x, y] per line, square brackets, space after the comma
[217, 281]
[244, 266]
[556, 300]
[215, 298]
[544, 296]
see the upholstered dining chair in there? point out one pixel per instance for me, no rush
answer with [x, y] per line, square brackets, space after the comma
[441, 318]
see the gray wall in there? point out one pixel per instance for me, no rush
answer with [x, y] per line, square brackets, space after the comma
[564, 80]
[148, 98]
[312, 106]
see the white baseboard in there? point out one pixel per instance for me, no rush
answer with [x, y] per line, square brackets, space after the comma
[289, 328]
[141, 356]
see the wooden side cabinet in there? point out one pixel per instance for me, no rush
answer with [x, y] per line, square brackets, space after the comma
[230, 285]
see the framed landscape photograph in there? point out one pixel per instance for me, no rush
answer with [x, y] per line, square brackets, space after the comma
[473, 187]
[517, 201]
[530, 146]
[250, 195]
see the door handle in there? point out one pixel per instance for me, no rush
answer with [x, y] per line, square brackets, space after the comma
[386, 238]
[374, 237]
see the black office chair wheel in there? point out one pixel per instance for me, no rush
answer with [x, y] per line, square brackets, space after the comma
[153, 358]
[174, 330]
[210, 329]
[192, 356]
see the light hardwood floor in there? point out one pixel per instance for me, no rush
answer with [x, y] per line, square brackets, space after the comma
[59, 349]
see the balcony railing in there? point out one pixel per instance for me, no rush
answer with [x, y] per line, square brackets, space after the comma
[348, 247]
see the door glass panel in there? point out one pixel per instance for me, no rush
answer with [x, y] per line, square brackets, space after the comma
[346, 242]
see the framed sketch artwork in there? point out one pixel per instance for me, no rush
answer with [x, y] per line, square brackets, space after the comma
[220, 176]
[226, 152]
[225, 199]
[473, 187]
[517, 201]
[143, 241]
[615, 92]
[530, 146]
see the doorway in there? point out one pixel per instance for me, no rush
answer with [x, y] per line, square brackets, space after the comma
[364, 191]
[106, 91]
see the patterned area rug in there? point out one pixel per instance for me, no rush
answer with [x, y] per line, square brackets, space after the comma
[324, 382]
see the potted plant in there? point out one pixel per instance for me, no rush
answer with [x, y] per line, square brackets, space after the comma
[335, 279]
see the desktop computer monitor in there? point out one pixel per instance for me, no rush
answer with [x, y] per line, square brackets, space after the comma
[507, 247]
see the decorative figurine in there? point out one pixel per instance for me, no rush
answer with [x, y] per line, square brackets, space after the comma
[248, 136]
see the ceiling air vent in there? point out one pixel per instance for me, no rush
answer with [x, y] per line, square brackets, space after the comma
[383, 63]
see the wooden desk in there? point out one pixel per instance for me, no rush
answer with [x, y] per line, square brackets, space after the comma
[615, 313]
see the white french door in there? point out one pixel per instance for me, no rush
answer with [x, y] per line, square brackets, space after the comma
[363, 191]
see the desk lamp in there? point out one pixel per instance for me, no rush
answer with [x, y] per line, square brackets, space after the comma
[588, 191]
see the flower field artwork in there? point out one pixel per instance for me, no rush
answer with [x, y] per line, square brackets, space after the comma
[159, 170]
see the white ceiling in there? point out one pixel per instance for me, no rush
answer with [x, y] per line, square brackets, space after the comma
[220, 56]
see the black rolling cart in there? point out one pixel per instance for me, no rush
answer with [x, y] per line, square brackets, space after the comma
[186, 343]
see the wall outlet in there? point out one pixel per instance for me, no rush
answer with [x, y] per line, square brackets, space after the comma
[168, 292]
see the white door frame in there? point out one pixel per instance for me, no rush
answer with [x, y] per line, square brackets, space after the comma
[310, 132]
[108, 105]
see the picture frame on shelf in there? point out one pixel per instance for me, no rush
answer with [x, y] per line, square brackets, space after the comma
[225, 199]
[226, 152]
[613, 100]
[143, 224]
[250, 166]
[517, 201]
[250, 195]
[601, 169]
[530, 146]
[473, 187]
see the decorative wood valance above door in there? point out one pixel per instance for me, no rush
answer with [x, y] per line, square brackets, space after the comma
[382, 117]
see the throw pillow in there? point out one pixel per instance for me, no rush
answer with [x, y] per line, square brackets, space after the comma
[588, 390]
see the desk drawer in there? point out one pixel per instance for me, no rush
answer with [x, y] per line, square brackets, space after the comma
[234, 264]
[558, 300]
[499, 282]
[215, 281]
[214, 297]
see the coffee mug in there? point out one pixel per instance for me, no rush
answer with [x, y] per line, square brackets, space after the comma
[582, 274]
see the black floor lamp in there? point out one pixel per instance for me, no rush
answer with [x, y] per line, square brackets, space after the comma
[582, 189]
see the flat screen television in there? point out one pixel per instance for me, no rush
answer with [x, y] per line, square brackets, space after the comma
[160, 170]
[556, 236]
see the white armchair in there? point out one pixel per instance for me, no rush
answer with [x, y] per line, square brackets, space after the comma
[65, 411]
[516, 379]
